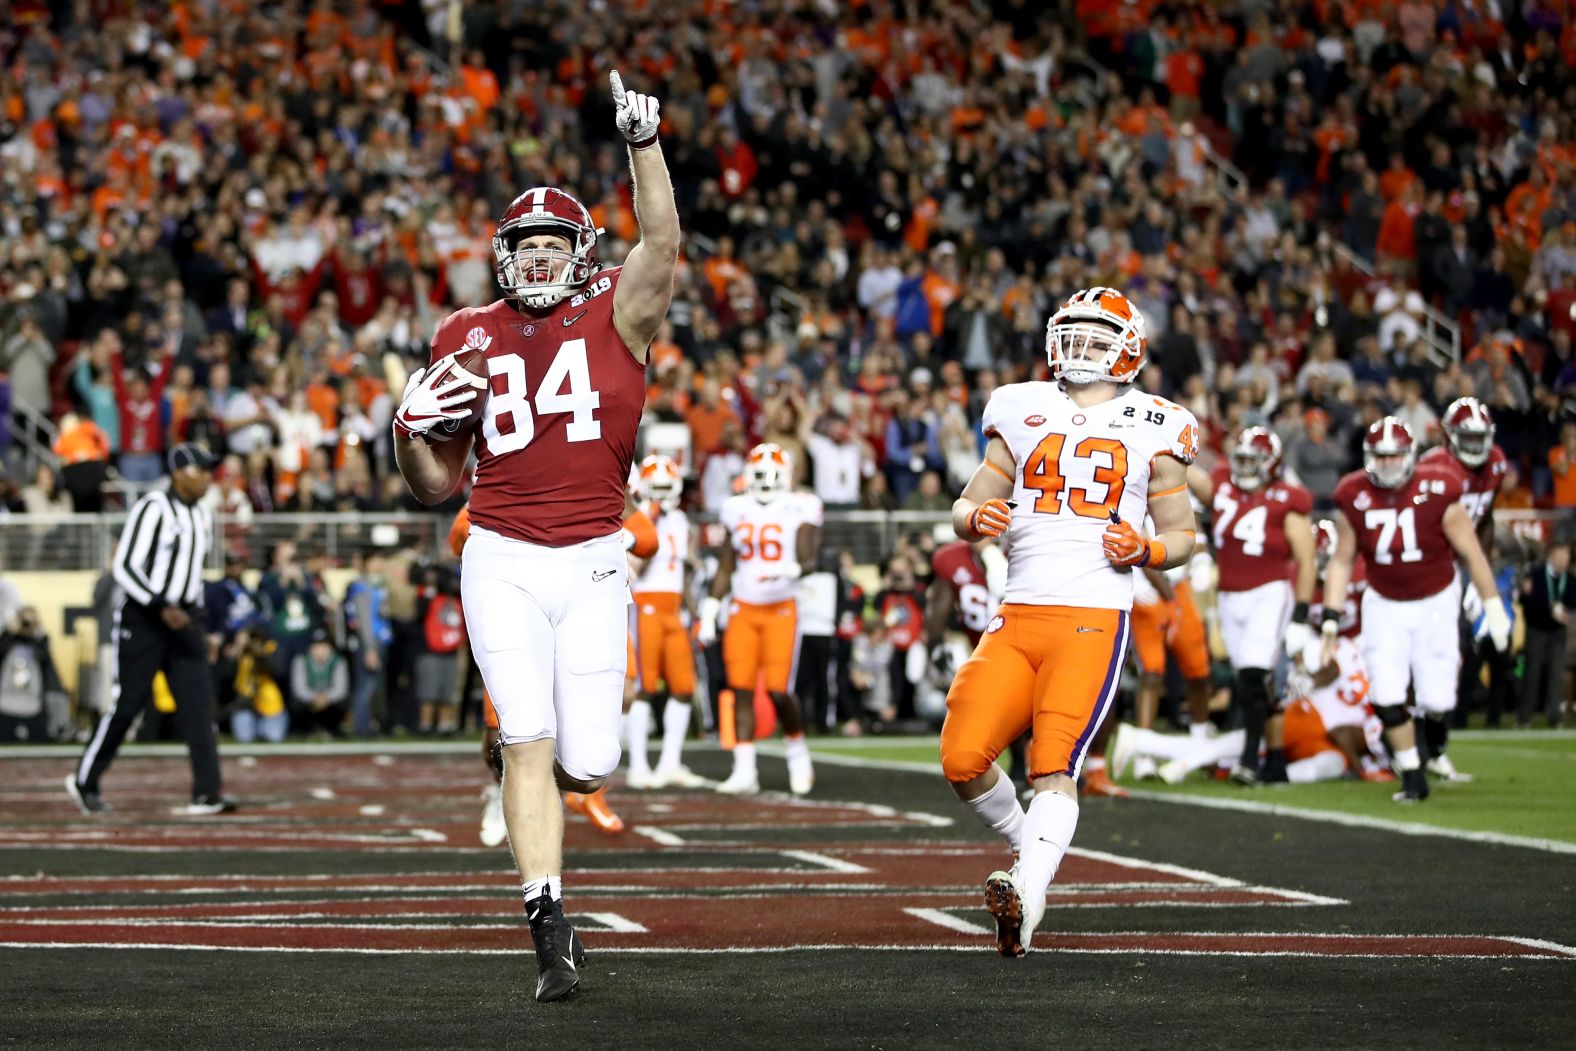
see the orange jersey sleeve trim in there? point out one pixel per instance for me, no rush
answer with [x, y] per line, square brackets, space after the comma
[1168, 492]
[999, 471]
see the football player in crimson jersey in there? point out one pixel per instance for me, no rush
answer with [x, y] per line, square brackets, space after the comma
[1263, 542]
[1469, 447]
[1071, 469]
[1406, 520]
[774, 538]
[662, 644]
[544, 576]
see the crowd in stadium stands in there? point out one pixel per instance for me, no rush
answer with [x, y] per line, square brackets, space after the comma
[219, 217]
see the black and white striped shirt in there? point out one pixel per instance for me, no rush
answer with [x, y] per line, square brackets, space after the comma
[161, 554]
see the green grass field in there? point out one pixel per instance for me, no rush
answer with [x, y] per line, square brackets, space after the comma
[1525, 785]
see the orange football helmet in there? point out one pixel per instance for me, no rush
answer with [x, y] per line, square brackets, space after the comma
[1098, 335]
[768, 472]
[660, 481]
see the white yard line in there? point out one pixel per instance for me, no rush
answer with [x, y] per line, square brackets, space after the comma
[942, 918]
[1335, 817]
[826, 861]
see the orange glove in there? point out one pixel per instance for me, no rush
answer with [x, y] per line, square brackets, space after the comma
[991, 518]
[1125, 547]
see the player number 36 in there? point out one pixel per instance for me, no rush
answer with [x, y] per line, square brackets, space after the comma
[566, 388]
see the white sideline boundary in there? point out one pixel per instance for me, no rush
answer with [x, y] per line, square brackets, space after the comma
[1248, 806]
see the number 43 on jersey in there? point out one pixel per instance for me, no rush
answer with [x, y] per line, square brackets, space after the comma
[509, 423]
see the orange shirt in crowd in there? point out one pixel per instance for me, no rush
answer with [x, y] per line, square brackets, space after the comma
[82, 443]
[706, 426]
[1397, 238]
[1564, 477]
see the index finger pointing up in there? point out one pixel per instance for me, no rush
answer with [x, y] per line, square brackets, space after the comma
[617, 83]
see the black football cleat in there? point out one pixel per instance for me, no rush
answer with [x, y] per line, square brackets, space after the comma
[1414, 787]
[87, 800]
[559, 954]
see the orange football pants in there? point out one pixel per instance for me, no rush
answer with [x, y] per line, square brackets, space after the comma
[1185, 639]
[761, 640]
[1302, 732]
[662, 646]
[1055, 668]
[489, 713]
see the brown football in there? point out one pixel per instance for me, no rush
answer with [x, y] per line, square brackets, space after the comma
[473, 359]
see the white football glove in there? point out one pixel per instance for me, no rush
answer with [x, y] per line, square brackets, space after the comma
[634, 113]
[1496, 624]
[433, 395]
[710, 610]
[1471, 602]
[1297, 638]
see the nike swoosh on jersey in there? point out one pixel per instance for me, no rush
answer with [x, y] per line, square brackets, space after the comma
[571, 320]
[603, 574]
[1085, 631]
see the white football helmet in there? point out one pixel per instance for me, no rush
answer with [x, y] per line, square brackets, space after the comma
[768, 472]
[660, 481]
[1389, 453]
[1097, 336]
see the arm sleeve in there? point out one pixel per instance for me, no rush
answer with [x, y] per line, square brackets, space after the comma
[298, 686]
[645, 533]
[137, 541]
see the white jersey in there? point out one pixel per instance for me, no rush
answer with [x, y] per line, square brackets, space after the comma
[1075, 466]
[664, 571]
[1343, 702]
[765, 539]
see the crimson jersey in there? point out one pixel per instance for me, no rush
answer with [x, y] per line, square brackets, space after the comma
[1480, 485]
[554, 447]
[1400, 532]
[957, 566]
[1250, 531]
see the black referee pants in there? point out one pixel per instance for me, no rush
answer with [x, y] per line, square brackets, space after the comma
[144, 646]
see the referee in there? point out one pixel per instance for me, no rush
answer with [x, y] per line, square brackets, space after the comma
[158, 626]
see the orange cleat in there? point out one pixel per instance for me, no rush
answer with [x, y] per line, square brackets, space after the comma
[1098, 782]
[595, 810]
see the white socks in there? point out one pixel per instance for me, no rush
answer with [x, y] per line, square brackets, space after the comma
[1162, 746]
[1408, 759]
[744, 760]
[797, 751]
[675, 727]
[1200, 730]
[552, 885]
[1001, 812]
[1047, 831]
[638, 722]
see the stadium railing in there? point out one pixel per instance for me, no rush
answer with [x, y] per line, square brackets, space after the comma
[87, 541]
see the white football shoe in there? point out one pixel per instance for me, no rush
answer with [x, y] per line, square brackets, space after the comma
[801, 781]
[494, 829]
[679, 776]
[740, 783]
[1144, 768]
[1033, 912]
[1172, 773]
[1441, 767]
[1124, 748]
[640, 780]
[1004, 901]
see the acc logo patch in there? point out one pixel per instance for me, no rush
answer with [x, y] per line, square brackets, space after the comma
[1034, 421]
[477, 339]
[995, 625]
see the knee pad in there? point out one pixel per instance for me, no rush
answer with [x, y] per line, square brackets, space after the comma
[1392, 715]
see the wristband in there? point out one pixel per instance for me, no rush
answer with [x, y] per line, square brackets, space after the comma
[644, 144]
[1154, 552]
[1330, 620]
[1299, 613]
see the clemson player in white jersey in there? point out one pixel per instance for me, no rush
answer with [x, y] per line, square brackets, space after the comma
[1070, 467]
[663, 657]
[774, 535]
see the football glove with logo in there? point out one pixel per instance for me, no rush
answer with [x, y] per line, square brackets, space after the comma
[432, 395]
[634, 113]
[1125, 546]
[991, 518]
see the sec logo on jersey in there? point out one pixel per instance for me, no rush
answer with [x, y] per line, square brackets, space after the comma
[477, 339]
